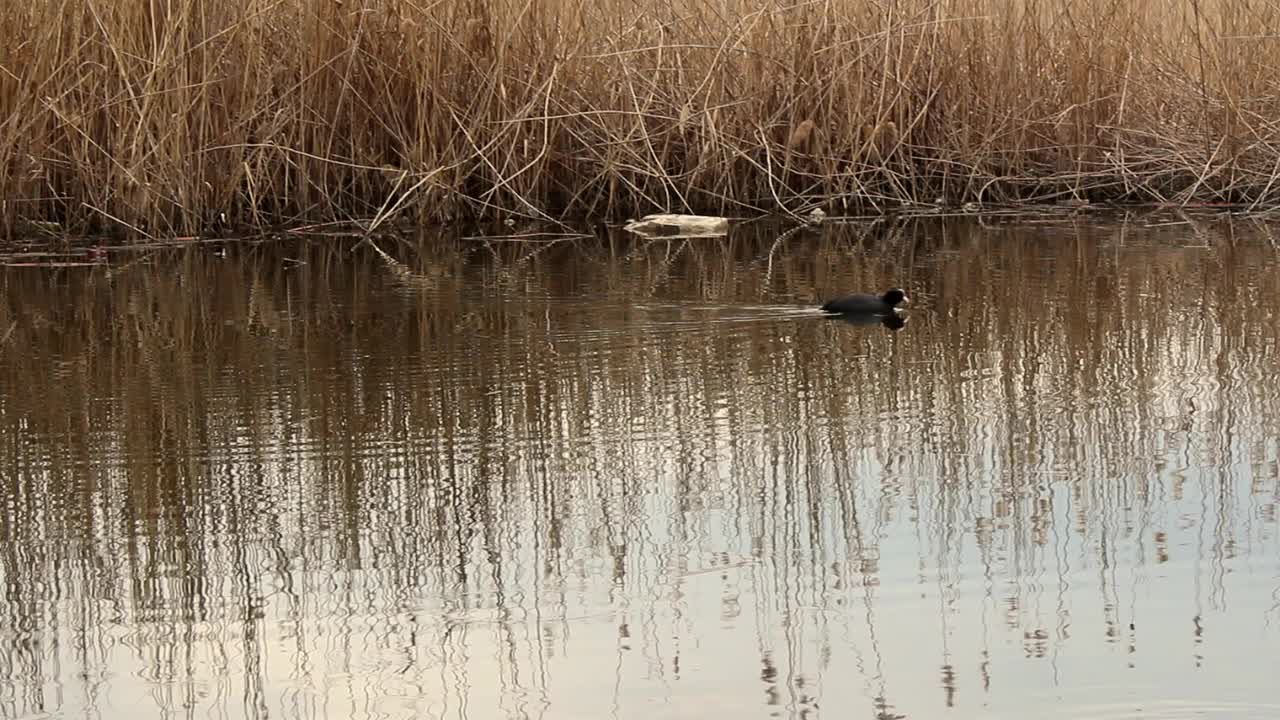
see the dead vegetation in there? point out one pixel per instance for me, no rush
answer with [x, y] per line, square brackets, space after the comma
[164, 117]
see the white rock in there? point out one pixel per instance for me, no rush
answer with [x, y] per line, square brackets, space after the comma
[663, 225]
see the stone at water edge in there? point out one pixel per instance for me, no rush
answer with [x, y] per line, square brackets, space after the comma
[670, 225]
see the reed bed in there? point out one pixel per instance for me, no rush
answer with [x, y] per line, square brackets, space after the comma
[164, 117]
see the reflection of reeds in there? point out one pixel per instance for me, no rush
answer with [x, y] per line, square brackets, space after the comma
[165, 119]
[211, 448]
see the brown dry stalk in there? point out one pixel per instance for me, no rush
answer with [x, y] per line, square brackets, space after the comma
[165, 119]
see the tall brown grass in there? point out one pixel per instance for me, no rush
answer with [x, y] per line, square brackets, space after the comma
[164, 115]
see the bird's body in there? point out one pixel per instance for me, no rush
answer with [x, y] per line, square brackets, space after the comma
[866, 304]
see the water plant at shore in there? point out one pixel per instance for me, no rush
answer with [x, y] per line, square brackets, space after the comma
[162, 117]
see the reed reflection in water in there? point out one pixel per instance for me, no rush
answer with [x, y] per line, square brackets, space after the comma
[646, 480]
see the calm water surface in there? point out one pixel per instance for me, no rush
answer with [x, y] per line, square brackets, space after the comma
[611, 479]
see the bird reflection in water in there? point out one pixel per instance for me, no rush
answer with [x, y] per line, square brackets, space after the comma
[893, 321]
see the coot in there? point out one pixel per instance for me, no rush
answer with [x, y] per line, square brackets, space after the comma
[863, 304]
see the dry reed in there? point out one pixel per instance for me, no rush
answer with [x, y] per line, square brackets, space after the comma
[161, 117]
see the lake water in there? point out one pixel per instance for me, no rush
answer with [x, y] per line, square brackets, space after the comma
[605, 478]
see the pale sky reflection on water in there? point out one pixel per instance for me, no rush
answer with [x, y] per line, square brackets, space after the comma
[644, 480]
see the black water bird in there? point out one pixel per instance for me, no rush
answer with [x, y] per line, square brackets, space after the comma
[865, 304]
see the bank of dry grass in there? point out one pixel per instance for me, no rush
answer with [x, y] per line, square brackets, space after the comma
[165, 114]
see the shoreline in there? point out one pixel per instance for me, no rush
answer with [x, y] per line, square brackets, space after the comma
[50, 250]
